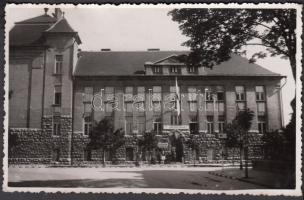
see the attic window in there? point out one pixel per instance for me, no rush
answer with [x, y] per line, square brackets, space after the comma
[174, 70]
[157, 70]
[192, 69]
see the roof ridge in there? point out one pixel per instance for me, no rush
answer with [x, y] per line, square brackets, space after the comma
[37, 20]
[70, 29]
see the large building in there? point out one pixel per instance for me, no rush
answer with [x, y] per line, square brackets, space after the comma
[57, 92]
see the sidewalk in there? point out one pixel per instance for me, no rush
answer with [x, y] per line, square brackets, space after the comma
[263, 178]
[178, 165]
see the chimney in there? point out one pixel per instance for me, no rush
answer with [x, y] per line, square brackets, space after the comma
[58, 14]
[105, 49]
[46, 10]
[154, 49]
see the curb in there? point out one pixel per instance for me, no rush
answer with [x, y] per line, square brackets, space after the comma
[240, 179]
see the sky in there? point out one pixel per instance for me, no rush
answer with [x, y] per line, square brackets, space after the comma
[131, 29]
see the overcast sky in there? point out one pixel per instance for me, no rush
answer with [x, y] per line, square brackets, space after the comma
[139, 29]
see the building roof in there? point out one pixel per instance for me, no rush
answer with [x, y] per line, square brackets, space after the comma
[61, 26]
[27, 35]
[128, 62]
[30, 32]
[40, 19]
[117, 62]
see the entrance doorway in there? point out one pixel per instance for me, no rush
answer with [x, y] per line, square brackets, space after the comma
[177, 147]
[179, 150]
[56, 155]
[129, 154]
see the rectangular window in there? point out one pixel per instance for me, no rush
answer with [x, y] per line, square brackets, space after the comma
[129, 125]
[174, 70]
[221, 123]
[57, 95]
[109, 93]
[193, 125]
[140, 94]
[87, 125]
[192, 70]
[56, 128]
[220, 96]
[209, 106]
[156, 98]
[109, 107]
[221, 107]
[129, 107]
[193, 106]
[262, 124]
[109, 99]
[58, 64]
[240, 93]
[192, 97]
[128, 93]
[141, 125]
[261, 108]
[221, 127]
[88, 94]
[156, 95]
[157, 126]
[174, 119]
[260, 93]
[192, 94]
[210, 125]
[208, 96]
[157, 70]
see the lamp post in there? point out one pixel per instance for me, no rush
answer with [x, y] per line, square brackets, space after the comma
[246, 154]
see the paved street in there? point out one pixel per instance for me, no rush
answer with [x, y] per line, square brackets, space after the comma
[182, 178]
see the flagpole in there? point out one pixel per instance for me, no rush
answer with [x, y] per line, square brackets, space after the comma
[178, 103]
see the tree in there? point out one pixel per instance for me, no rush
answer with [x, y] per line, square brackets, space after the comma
[194, 144]
[104, 137]
[244, 121]
[233, 138]
[148, 144]
[216, 33]
[273, 143]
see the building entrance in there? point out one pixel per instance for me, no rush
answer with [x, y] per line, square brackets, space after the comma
[177, 147]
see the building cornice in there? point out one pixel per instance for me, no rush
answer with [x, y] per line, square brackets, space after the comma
[184, 77]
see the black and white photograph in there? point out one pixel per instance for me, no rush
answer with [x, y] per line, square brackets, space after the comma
[190, 98]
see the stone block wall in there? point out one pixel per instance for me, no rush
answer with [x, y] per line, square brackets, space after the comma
[39, 146]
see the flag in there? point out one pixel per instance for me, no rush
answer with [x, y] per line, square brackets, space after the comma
[177, 97]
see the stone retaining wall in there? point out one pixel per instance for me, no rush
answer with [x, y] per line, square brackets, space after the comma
[38, 146]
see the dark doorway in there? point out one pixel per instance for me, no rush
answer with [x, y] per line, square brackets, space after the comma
[179, 150]
[56, 155]
[87, 154]
[129, 154]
